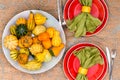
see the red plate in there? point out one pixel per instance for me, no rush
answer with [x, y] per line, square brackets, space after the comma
[66, 9]
[99, 9]
[94, 72]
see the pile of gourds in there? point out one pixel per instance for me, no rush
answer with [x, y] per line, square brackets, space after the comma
[29, 37]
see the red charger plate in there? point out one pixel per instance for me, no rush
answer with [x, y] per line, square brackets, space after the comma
[99, 9]
[96, 71]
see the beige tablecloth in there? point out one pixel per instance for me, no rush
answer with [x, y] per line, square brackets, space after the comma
[109, 36]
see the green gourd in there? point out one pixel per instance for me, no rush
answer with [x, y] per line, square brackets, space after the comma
[21, 30]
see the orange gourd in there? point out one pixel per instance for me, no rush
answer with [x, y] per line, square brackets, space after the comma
[25, 41]
[22, 58]
[43, 36]
[47, 44]
[56, 50]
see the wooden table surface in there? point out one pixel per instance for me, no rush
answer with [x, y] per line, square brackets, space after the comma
[109, 36]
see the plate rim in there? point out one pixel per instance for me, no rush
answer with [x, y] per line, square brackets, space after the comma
[25, 70]
[80, 44]
[104, 21]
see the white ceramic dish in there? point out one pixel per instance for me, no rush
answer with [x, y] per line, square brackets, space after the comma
[51, 21]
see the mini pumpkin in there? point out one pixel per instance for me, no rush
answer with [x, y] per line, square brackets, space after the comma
[20, 21]
[11, 42]
[36, 48]
[21, 30]
[22, 58]
[25, 41]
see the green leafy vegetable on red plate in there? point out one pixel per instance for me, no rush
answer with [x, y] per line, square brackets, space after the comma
[88, 56]
[84, 22]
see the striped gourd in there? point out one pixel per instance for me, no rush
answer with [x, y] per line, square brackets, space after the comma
[14, 54]
[31, 22]
[13, 30]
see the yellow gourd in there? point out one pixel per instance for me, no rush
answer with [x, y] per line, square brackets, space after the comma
[39, 19]
[14, 54]
[56, 40]
[32, 65]
[39, 29]
[50, 31]
[11, 42]
[13, 29]
[36, 48]
[24, 51]
[31, 22]
[40, 57]
[20, 21]
[56, 50]
[48, 56]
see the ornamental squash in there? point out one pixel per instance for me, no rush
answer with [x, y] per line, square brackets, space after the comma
[40, 57]
[11, 42]
[55, 51]
[36, 48]
[24, 50]
[20, 21]
[21, 30]
[32, 65]
[14, 54]
[56, 40]
[47, 44]
[36, 41]
[48, 56]
[39, 19]
[22, 58]
[39, 29]
[43, 36]
[50, 31]
[13, 29]
[31, 22]
[25, 41]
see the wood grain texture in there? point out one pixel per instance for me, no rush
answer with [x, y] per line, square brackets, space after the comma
[109, 36]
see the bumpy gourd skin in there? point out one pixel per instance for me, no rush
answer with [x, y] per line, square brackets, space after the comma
[39, 19]
[39, 29]
[56, 40]
[21, 30]
[11, 42]
[50, 31]
[36, 48]
[22, 58]
[25, 41]
[31, 22]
